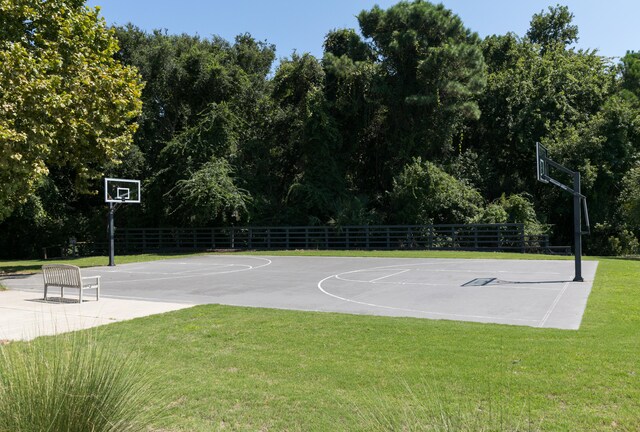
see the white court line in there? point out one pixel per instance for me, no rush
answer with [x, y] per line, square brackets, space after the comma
[30, 284]
[129, 270]
[170, 273]
[217, 265]
[553, 305]
[339, 277]
[195, 264]
[248, 267]
[415, 310]
[392, 274]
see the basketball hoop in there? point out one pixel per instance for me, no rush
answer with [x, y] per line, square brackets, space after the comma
[543, 164]
[117, 192]
[121, 191]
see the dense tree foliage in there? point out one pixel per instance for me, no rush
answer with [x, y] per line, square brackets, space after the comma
[424, 194]
[553, 28]
[573, 101]
[65, 103]
[428, 71]
[410, 119]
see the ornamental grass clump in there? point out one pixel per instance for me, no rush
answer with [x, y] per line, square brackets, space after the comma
[71, 383]
[425, 409]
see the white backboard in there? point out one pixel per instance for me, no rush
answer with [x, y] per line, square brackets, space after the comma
[121, 190]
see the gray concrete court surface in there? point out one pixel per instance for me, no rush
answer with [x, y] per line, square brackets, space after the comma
[518, 292]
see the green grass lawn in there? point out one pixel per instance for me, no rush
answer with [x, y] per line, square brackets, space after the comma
[232, 368]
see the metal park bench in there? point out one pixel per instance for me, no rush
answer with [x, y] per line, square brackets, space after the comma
[68, 276]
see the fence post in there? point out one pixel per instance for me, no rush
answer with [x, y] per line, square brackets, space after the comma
[366, 235]
[287, 245]
[475, 237]
[430, 236]
[453, 238]
[388, 232]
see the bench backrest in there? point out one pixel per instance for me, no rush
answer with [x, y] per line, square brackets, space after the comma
[63, 275]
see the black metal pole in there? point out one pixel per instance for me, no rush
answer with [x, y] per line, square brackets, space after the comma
[111, 236]
[577, 226]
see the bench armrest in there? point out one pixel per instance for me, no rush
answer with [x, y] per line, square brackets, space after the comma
[96, 278]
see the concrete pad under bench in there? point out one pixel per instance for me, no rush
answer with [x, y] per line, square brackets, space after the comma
[25, 315]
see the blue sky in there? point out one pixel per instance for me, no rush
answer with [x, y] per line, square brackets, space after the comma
[609, 26]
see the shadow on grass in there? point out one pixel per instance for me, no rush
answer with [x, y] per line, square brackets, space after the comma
[624, 258]
[11, 270]
[29, 267]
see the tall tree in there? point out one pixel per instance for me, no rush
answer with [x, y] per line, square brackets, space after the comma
[423, 71]
[64, 100]
[352, 82]
[553, 27]
[531, 97]
[202, 103]
[184, 75]
[567, 99]
[304, 144]
[631, 73]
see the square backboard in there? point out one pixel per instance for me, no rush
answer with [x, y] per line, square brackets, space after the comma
[121, 190]
[542, 164]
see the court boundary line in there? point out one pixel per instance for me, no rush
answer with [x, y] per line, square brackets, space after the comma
[553, 305]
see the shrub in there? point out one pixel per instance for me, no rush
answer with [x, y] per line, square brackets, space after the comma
[515, 208]
[423, 193]
[613, 240]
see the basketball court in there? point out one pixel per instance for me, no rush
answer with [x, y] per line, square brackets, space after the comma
[516, 292]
